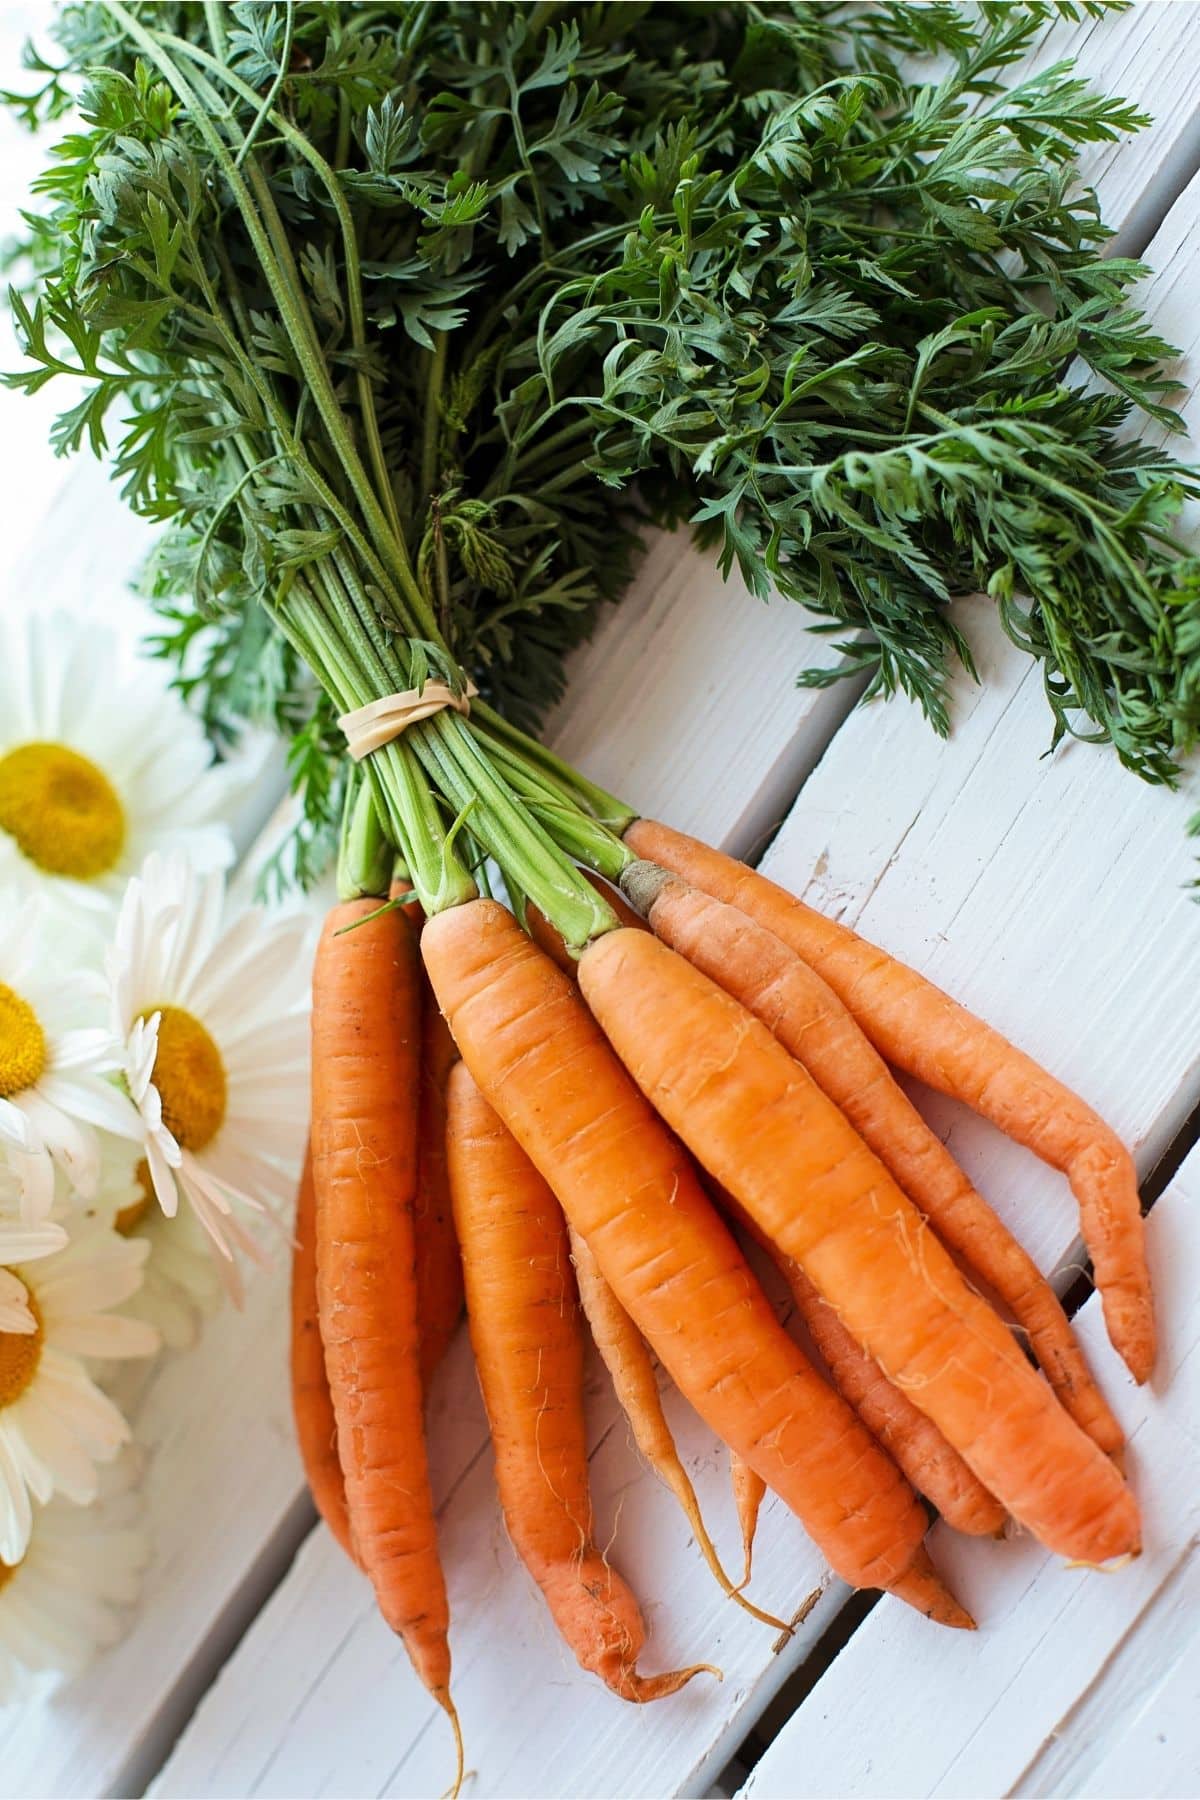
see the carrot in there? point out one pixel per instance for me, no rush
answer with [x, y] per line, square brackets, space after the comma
[762, 1128]
[749, 1492]
[629, 1190]
[935, 1470]
[438, 1265]
[528, 1344]
[807, 1017]
[312, 1409]
[627, 1360]
[365, 1032]
[920, 1029]
[912, 1439]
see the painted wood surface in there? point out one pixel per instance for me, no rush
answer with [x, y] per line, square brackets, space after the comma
[1078, 1681]
[685, 699]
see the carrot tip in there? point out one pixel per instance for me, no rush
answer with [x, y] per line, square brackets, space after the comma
[442, 1696]
[757, 1612]
[642, 1688]
[922, 1588]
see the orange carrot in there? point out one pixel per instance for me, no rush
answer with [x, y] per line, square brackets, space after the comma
[312, 1409]
[934, 1469]
[807, 1017]
[920, 1029]
[749, 1492]
[627, 1360]
[438, 1265]
[365, 1035]
[912, 1439]
[528, 1344]
[627, 1188]
[762, 1128]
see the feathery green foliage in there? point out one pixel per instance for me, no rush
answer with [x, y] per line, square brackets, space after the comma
[566, 267]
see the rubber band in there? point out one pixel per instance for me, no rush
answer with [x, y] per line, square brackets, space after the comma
[379, 722]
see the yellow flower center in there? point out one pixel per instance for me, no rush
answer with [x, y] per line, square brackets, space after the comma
[22, 1044]
[20, 1354]
[7, 1571]
[190, 1078]
[62, 810]
[131, 1216]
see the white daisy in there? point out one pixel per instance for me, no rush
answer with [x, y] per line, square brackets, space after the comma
[181, 1284]
[99, 763]
[21, 1240]
[212, 1016]
[55, 1424]
[72, 1590]
[56, 1056]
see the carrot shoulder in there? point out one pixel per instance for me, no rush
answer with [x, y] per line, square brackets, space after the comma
[763, 1129]
[917, 1027]
[629, 1190]
[312, 1408]
[365, 1035]
[807, 1017]
[528, 1344]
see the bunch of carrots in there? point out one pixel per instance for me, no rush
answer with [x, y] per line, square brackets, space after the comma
[590, 1140]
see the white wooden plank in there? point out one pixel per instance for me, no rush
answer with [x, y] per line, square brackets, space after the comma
[966, 1717]
[1134, 1731]
[655, 689]
[312, 1689]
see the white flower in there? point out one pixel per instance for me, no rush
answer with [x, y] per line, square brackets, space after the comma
[55, 1057]
[99, 763]
[211, 1014]
[20, 1242]
[181, 1283]
[55, 1424]
[69, 1594]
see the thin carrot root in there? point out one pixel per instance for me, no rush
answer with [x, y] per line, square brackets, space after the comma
[627, 1360]
[442, 1696]
[922, 1588]
[749, 1492]
[918, 1028]
[763, 1129]
[630, 1190]
[804, 1013]
[528, 1343]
